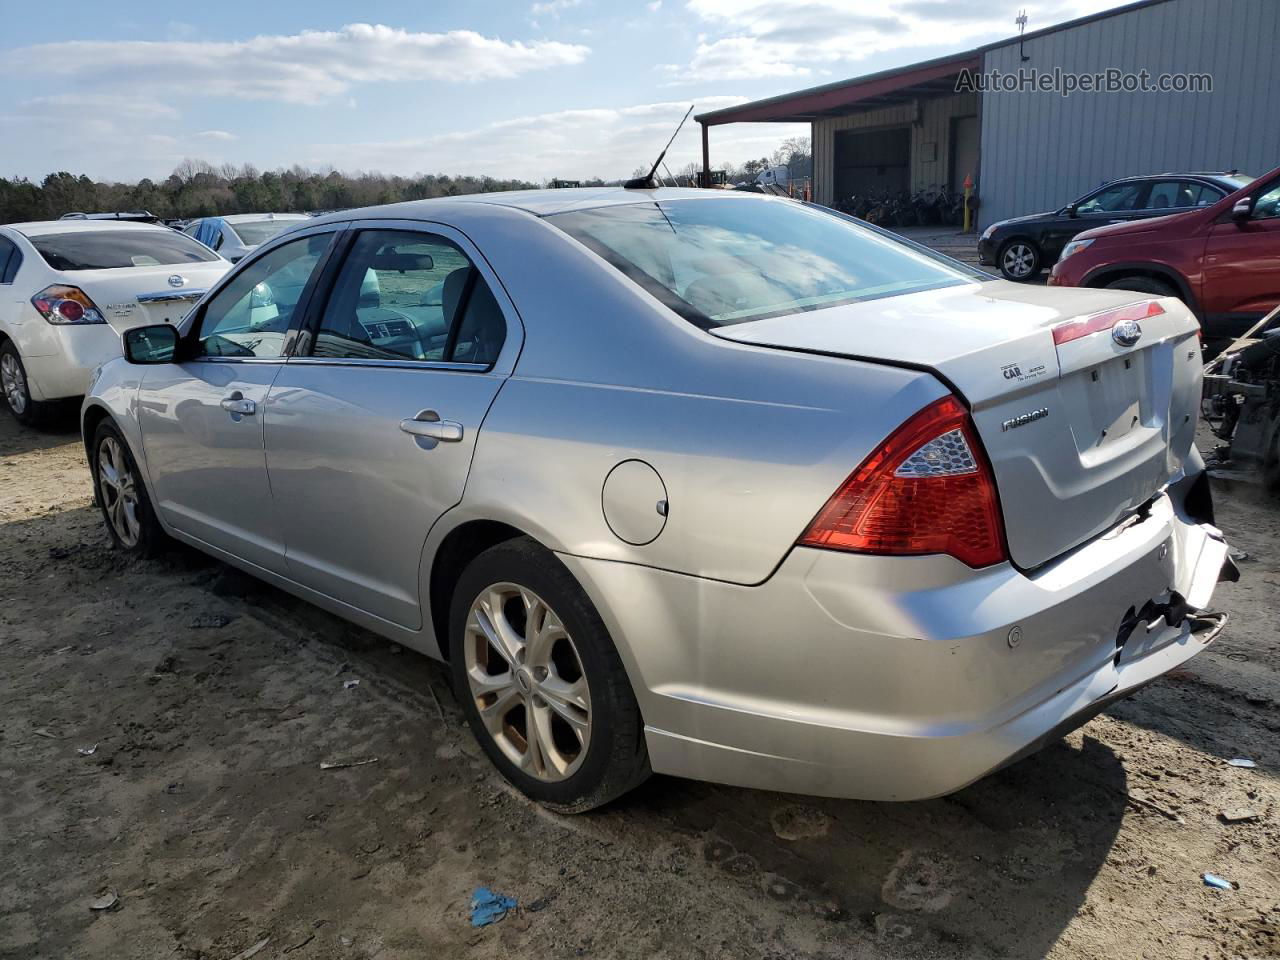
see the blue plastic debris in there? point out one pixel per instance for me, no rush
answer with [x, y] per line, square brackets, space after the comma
[488, 907]
[1211, 880]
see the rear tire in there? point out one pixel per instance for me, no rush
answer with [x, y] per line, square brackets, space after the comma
[122, 496]
[528, 648]
[1143, 284]
[16, 389]
[1019, 260]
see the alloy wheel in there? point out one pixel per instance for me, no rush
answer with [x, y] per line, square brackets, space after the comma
[1018, 260]
[527, 681]
[14, 383]
[119, 492]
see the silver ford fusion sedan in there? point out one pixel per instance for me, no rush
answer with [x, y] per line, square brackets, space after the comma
[716, 485]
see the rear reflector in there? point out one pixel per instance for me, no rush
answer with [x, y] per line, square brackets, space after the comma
[1082, 327]
[927, 489]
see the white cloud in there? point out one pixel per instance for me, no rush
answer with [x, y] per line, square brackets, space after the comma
[90, 107]
[215, 135]
[654, 7]
[553, 7]
[570, 144]
[309, 67]
[763, 38]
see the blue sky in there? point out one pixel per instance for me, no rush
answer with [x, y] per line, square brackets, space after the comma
[536, 89]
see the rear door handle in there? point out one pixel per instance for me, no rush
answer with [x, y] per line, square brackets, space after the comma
[429, 425]
[237, 404]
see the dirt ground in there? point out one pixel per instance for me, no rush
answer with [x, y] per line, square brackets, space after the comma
[212, 701]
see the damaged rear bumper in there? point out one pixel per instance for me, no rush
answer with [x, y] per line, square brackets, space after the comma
[902, 678]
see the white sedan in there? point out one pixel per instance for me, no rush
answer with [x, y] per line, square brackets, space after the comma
[68, 288]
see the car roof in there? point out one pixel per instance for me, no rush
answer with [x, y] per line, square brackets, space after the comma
[37, 228]
[248, 217]
[540, 203]
[1199, 175]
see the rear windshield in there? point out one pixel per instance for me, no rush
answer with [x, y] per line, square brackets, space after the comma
[254, 232]
[106, 249]
[721, 260]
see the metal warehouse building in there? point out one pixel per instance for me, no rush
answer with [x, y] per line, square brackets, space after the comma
[909, 128]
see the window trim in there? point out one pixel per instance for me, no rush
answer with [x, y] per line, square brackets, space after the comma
[190, 325]
[502, 365]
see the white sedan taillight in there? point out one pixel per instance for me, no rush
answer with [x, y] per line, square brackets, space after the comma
[61, 304]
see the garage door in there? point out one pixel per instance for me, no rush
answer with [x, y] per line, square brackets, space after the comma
[872, 161]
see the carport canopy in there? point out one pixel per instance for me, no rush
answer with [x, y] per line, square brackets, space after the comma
[903, 84]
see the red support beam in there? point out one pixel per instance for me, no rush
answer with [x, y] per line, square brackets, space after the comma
[804, 104]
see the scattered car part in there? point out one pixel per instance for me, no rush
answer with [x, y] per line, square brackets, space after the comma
[1241, 401]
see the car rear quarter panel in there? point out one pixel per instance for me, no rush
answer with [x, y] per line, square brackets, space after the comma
[750, 442]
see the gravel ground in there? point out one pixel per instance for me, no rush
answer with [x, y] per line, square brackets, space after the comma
[209, 702]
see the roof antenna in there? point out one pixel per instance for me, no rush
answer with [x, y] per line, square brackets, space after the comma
[1021, 21]
[646, 182]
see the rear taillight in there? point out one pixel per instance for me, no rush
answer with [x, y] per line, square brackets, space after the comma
[927, 489]
[61, 304]
[1082, 327]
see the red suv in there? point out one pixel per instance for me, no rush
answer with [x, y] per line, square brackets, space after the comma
[1223, 261]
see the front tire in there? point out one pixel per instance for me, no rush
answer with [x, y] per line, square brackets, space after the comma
[1143, 285]
[540, 681]
[16, 388]
[122, 496]
[1019, 260]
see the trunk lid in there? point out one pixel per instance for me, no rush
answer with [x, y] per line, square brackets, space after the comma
[1080, 434]
[136, 296]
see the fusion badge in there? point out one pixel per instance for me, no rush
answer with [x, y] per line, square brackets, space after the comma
[1021, 421]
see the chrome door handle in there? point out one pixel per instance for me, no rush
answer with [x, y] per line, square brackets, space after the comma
[429, 425]
[237, 404]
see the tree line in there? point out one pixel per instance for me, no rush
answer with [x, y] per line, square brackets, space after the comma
[199, 189]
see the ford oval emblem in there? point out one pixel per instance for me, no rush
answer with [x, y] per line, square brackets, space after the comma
[1127, 332]
[177, 281]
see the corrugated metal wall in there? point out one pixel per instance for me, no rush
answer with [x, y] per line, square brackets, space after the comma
[928, 164]
[1040, 150]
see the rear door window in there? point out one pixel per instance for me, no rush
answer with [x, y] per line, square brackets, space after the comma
[407, 296]
[1181, 195]
[111, 249]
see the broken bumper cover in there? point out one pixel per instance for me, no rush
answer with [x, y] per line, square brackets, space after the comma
[902, 678]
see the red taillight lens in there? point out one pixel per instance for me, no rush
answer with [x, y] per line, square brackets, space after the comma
[70, 310]
[1075, 329]
[927, 489]
[62, 304]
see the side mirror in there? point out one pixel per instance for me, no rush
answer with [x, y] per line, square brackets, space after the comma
[1071, 211]
[154, 344]
[1243, 210]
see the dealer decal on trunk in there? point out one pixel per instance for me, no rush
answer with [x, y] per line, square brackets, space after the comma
[1024, 371]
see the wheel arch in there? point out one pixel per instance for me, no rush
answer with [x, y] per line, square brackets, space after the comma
[1101, 276]
[459, 547]
[90, 417]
